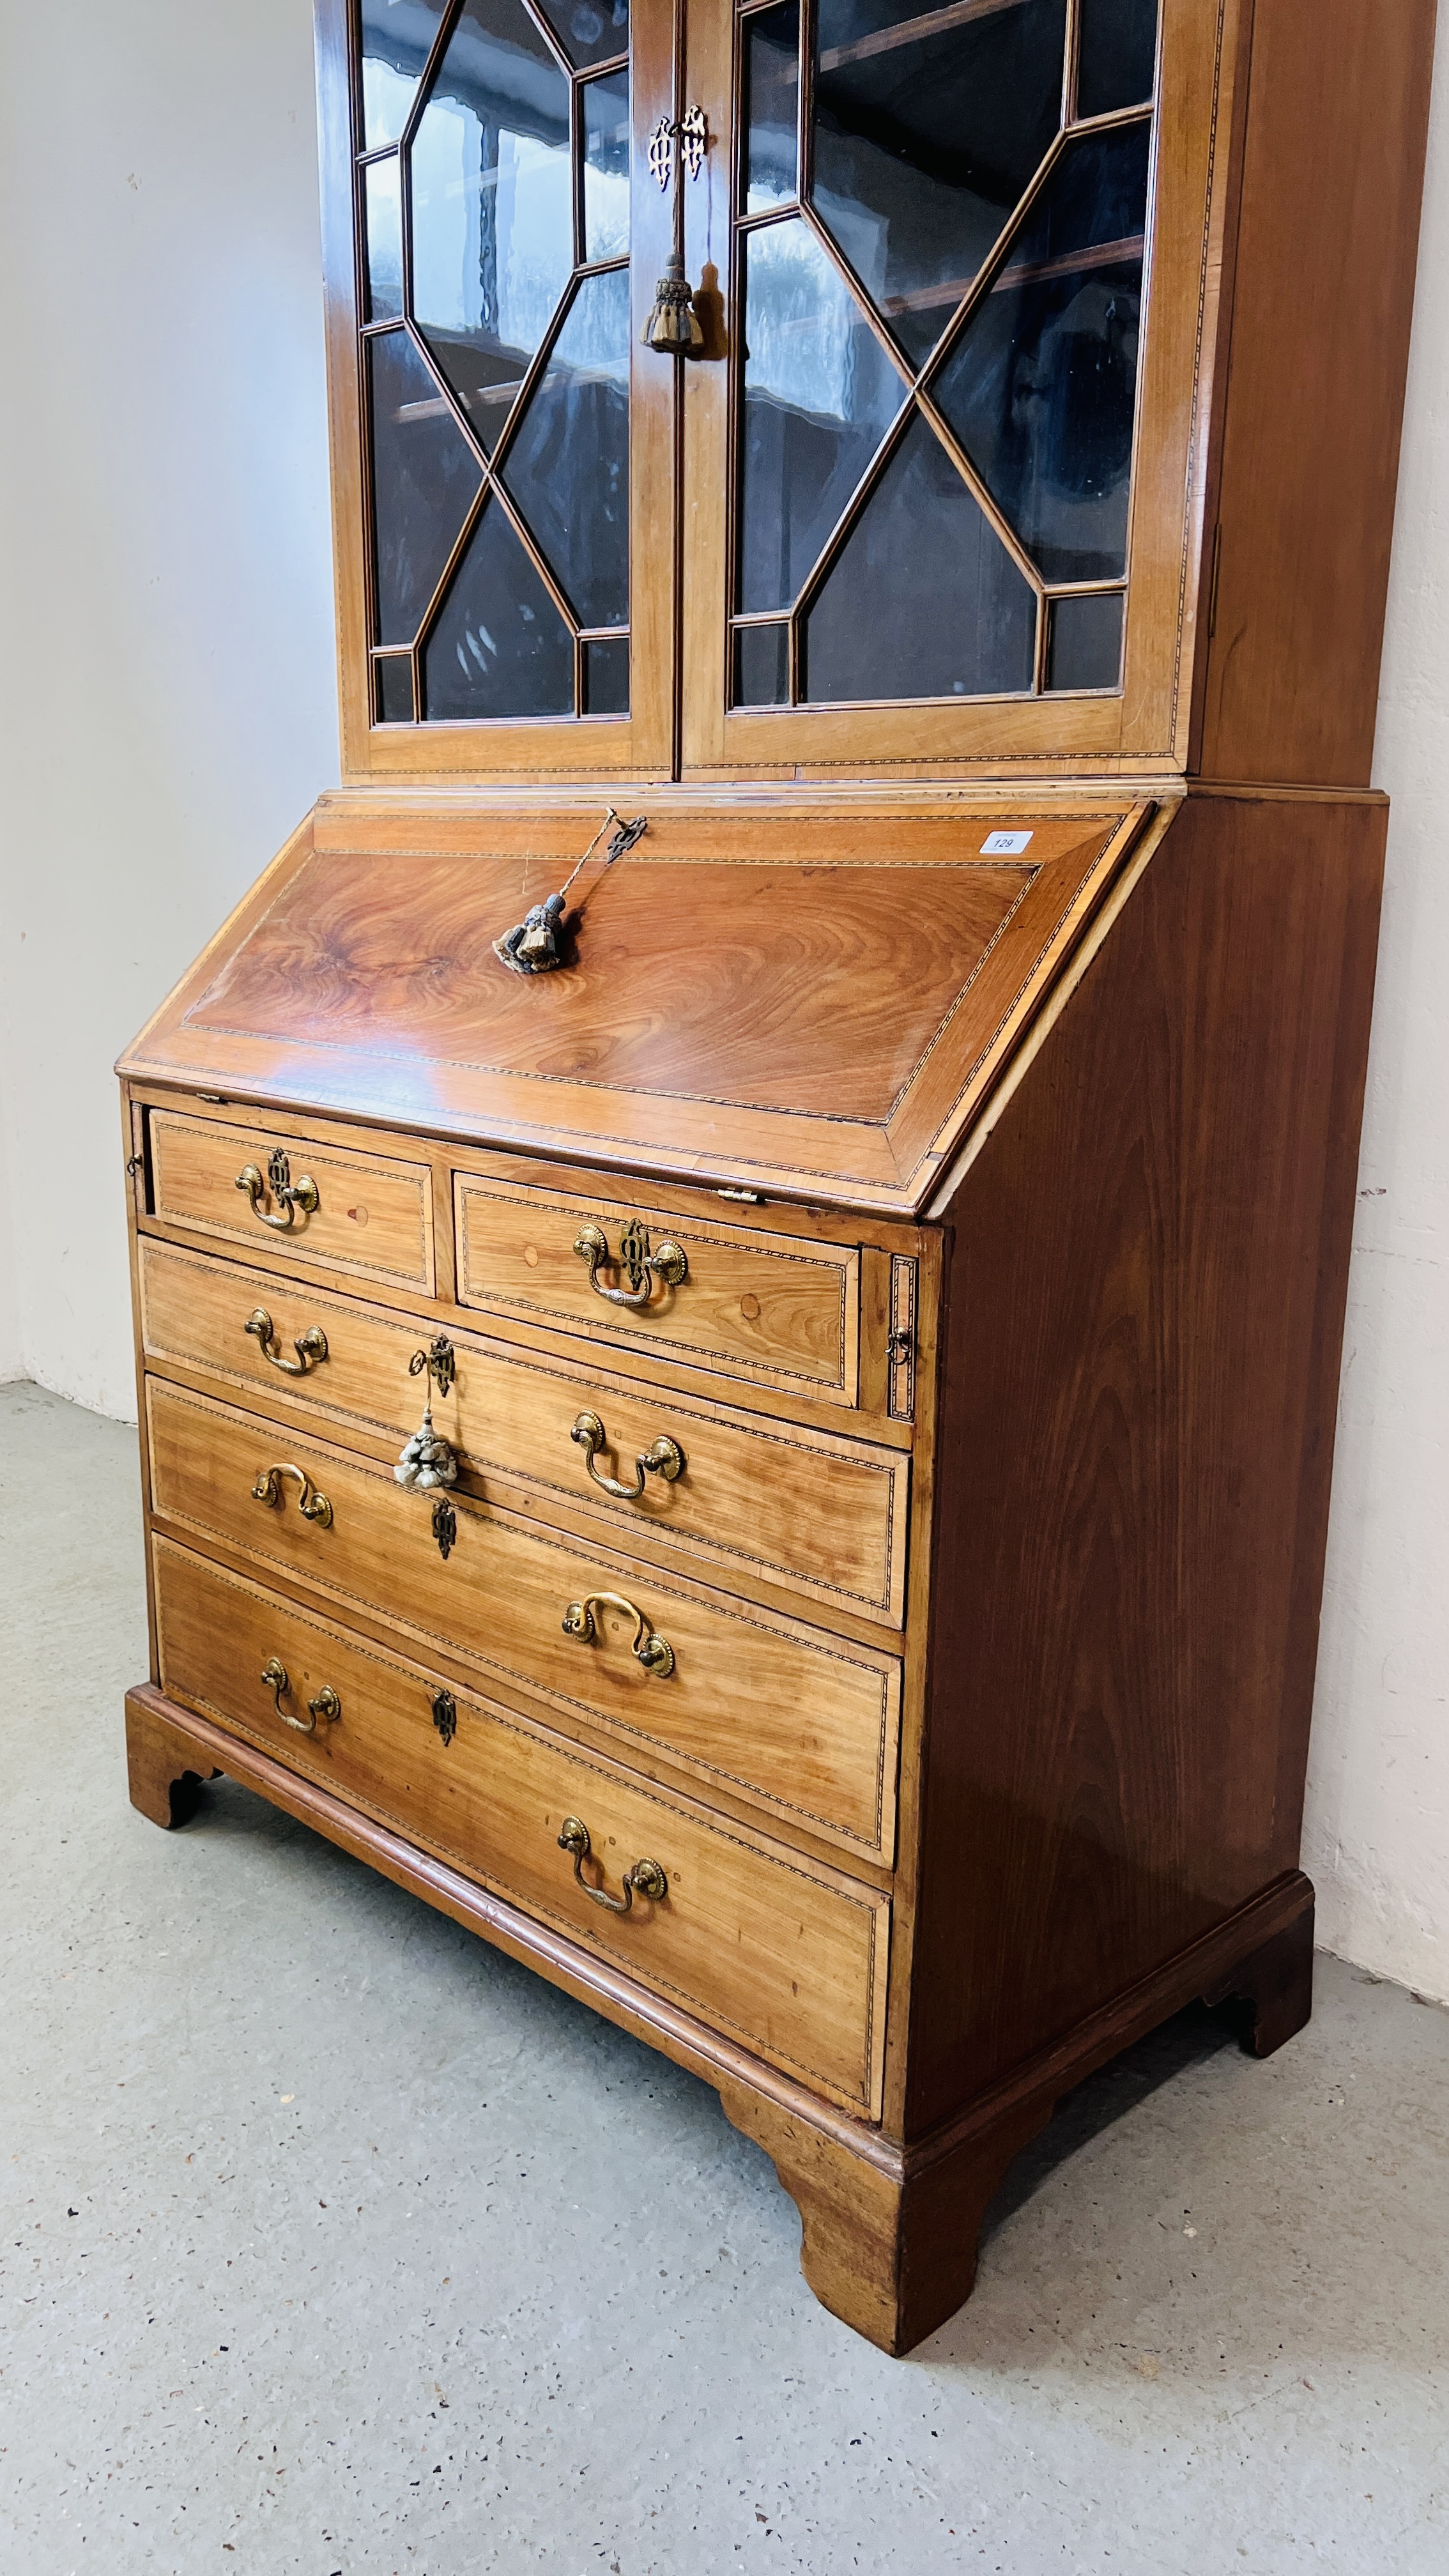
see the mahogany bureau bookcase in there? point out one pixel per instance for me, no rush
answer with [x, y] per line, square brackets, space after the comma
[760, 1433]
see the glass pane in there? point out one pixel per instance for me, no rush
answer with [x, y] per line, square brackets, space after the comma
[1118, 55]
[819, 395]
[606, 167]
[425, 479]
[762, 666]
[928, 125]
[606, 677]
[568, 466]
[1084, 649]
[923, 601]
[492, 207]
[500, 647]
[383, 204]
[393, 682]
[590, 31]
[772, 89]
[397, 38]
[1042, 385]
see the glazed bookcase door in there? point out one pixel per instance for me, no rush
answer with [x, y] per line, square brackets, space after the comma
[503, 446]
[943, 497]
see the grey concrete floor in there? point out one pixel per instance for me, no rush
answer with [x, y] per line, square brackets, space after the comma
[507, 2293]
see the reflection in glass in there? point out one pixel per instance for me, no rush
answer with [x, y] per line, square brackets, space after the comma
[819, 394]
[492, 207]
[424, 481]
[1084, 642]
[1117, 55]
[397, 37]
[762, 666]
[928, 125]
[923, 600]
[500, 647]
[568, 466]
[1041, 387]
[394, 684]
[772, 89]
[606, 677]
[590, 31]
[383, 203]
[606, 167]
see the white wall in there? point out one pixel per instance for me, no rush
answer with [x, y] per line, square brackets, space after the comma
[167, 701]
[167, 712]
[1377, 1827]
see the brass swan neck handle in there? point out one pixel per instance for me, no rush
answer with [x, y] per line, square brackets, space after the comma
[655, 1653]
[312, 1505]
[289, 1194]
[324, 1710]
[645, 1878]
[310, 1347]
[665, 1459]
[641, 1266]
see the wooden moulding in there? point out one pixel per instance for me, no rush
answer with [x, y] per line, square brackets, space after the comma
[889, 2231]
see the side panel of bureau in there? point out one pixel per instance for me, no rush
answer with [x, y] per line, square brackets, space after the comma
[1145, 1316]
[786, 1956]
[800, 1719]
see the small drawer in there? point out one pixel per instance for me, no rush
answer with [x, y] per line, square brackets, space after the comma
[785, 1955]
[263, 1188]
[775, 1309]
[785, 1714]
[808, 1510]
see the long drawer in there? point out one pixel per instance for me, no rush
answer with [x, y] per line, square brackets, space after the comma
[782, 1712]
[785, 1955]
[774, 1309]
[820, 1514]
[267, 1189]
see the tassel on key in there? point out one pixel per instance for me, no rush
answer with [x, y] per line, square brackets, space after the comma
[674, 327]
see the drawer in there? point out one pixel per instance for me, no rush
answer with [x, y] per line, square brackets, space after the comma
[787, 1956]
[782, 1713]
[372, 1215]
[775, 1309]
[824, 1516]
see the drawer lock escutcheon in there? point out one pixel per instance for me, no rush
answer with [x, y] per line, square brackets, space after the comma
[312, 1505]
[665, 1459]
[646, 1878]
[290, 1195]
[310, 1347]
[324, 1710]
[640, 1265]
[655, 1653]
